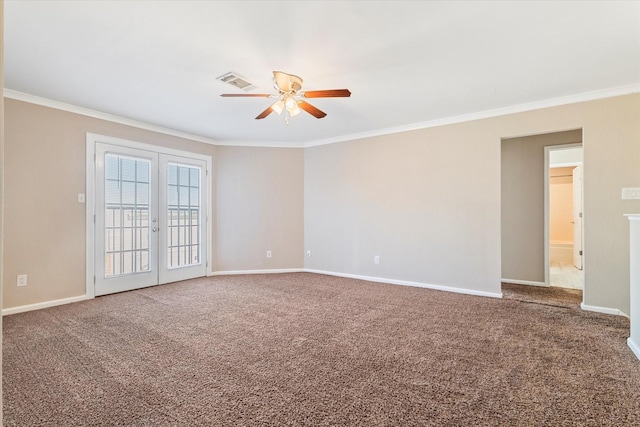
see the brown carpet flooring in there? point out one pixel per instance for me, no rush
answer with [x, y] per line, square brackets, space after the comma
[311, 350]
[555, 296]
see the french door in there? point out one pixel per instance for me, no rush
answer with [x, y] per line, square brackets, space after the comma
[150, 218]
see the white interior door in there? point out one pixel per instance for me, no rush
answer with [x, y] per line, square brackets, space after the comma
[150, 218]
[577, 217]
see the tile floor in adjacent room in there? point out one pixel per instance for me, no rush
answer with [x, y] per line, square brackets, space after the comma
[565, 276]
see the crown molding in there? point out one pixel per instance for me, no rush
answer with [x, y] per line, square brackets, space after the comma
[265, 144]
[45, 102]
[554, 102]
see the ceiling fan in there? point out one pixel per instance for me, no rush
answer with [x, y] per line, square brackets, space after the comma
[291, 98]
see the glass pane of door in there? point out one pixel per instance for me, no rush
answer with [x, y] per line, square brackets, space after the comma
[183, 215]
[126, 213]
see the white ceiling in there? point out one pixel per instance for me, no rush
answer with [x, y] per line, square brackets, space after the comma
[407, 63]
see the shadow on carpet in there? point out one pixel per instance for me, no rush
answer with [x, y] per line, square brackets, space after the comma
[553, 296]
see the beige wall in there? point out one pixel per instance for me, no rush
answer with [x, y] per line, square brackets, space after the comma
[611, 141]
[260, 208]
[522, 183]
[428, 201]
[424, 201]
[561, 205]
[260, 203]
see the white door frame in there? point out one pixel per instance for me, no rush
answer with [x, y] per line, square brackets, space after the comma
[90, 211]
[578, 226]
[547, 232]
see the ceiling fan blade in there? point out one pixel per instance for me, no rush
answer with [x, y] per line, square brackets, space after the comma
[315, 112]
[329, 93]
[246, 95]
[265, 113]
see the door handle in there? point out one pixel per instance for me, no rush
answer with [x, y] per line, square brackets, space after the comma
[154, 229]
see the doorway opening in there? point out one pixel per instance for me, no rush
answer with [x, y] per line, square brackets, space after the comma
[564, 229]
[527, 270]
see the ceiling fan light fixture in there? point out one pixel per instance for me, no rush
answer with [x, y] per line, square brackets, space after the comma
[292, 107]
[294, 111]
[278, 107]
[290, 103]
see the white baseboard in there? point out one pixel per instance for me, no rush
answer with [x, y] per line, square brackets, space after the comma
[408, 283]
[269, 271]
[605, 310]
[40, 305]
[53, 303]
[634, 347]
[524, 282]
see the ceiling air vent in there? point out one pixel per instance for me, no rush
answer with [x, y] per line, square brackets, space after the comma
[235, 80]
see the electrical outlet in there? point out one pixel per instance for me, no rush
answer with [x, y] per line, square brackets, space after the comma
[308, 254]
[81, 198]
[376, 259]
[268, 254]
[22, 280]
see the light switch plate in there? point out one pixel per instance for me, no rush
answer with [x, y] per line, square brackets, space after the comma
[630, 193]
